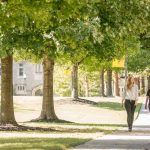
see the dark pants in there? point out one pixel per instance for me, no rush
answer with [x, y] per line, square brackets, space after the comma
[130, 108]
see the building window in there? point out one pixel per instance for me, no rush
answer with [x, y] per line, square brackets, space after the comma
[20, 88]
[21, 70]
[38, 68]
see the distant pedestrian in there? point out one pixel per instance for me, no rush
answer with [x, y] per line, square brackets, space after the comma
[130, 100]
[147, 103]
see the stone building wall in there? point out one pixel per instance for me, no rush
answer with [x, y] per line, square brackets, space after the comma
[27, 77]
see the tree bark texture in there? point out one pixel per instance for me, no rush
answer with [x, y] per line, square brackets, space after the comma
[142, 85]
[117, 92]
[102, 87]
[109, 82]
[148, 79]
[75, 81]
[7, 109]
[139, 86]
[48, 111]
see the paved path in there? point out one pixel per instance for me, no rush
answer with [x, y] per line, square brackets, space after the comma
[138, 139]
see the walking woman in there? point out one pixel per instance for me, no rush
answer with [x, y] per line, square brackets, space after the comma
[130, 101]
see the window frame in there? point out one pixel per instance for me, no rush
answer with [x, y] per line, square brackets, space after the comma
[21, 70]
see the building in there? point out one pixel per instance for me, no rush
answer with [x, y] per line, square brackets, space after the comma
[27, 78]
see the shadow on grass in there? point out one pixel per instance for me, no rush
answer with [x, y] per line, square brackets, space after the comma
[50, 120]
[75, 124]
[55, 129]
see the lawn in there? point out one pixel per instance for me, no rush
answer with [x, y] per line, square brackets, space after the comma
[108, 111]
[62, 137]
[76, 128]
[86, 122]
[117, 107]
[39, 143]
[28, 108]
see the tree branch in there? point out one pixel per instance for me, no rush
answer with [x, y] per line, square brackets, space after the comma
[82, 60]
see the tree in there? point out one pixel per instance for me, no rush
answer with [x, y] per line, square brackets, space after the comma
[114, 26]
[109, 83]
[7, 109]
[10, 20]
[142, 79]
[48, 112]
[44, 38]
[138, 63]
[85, 28]
[78, 45]
[75, 81]
[102, 88]
[117, 92]
[16, 31]
[148, 79]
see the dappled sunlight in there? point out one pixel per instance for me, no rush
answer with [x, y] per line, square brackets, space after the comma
[72, 73]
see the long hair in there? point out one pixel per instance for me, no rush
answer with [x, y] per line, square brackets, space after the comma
[129, 83]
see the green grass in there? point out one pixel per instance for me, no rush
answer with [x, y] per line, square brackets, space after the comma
[106, 125]
[39, 143]
[138, 107]
[85, 130]
[77, 128]
[115, 106]
[110, 105]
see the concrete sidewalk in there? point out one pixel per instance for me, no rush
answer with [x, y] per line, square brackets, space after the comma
[138, 139]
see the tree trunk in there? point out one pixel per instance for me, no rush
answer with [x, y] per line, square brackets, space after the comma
[101, 92]
[86, 87]
[148, 79]
[7, 109]
[109, 82]
[75, 81]
[48, 111]
[117, 92]
[142, 85]
[139, 86]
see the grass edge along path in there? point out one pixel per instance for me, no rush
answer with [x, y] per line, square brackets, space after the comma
[116, 106]
[40, 143]
[78, 128]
